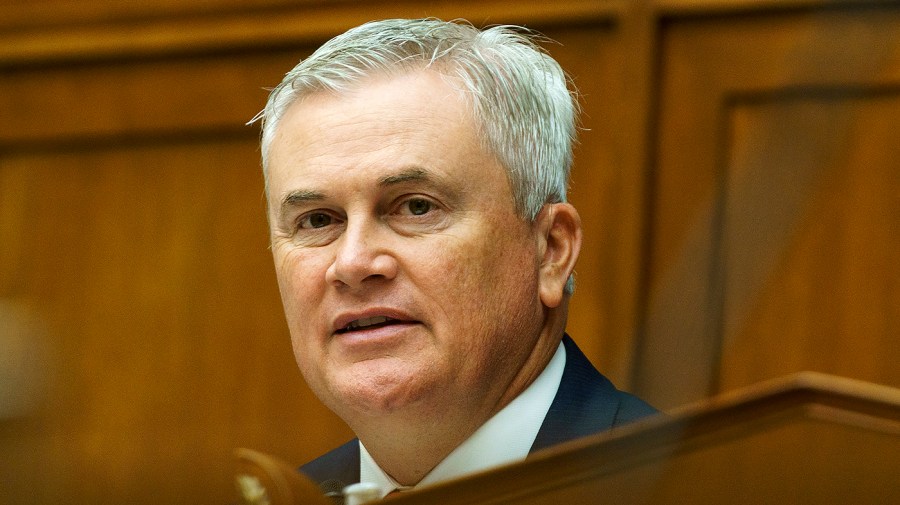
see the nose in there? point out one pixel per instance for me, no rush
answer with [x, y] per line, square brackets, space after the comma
[362, 255]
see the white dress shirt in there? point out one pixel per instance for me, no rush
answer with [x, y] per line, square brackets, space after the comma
[504, 438]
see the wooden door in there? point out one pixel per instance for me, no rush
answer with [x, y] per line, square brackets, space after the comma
[774, 241]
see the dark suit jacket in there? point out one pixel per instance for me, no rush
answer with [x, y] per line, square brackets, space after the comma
[586, 403]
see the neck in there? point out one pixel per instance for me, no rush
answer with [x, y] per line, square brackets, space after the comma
[408, 445]
[419, 453]
[408, 448]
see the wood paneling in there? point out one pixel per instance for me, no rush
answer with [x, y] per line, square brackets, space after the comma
[812, 252]
[102, 31]
[147, 266]
[135, 251]
[774, 222]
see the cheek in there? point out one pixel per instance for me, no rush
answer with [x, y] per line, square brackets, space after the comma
[301, 284]
[300, 274]
[299, 295]
[499, 270]
[482, 284]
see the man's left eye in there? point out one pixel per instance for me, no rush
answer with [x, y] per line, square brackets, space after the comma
[418, 206]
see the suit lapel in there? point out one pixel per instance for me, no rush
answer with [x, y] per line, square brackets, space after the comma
[336, 469]
[586, 402]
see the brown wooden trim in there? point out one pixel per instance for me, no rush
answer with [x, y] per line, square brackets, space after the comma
[667, 8]
[305, 23]
[639, 33]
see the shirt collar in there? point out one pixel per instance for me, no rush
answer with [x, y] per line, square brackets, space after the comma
[504, 438]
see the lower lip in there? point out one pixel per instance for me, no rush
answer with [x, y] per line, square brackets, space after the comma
[375, 337]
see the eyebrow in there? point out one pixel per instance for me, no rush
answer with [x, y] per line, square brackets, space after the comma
[408, 175]
[300, 196]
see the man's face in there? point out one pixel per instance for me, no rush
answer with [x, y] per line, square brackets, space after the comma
[409, 281]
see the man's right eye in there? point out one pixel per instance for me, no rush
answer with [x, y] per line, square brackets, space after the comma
[315, 220]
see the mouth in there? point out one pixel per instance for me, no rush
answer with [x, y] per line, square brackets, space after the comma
[369, 323]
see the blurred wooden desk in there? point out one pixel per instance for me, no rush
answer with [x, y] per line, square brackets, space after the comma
[808, 438]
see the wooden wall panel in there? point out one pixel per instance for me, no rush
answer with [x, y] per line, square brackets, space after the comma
[134, 249]
[813, 271]
[147, 266]
[105, 29]
[774, 203]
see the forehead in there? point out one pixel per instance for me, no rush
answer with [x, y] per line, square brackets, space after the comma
[378, 101]
[384, 123]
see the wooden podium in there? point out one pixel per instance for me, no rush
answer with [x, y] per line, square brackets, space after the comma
[808, 438]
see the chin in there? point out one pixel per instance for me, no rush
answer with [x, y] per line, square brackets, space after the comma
[383, 392]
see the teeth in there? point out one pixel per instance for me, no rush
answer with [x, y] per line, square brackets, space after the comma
[367, 321]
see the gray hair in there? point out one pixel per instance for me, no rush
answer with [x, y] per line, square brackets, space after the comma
[519, 94]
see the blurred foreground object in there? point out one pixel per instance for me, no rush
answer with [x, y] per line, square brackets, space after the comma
[265, 480]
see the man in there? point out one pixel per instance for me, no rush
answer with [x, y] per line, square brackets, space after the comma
[416, 176]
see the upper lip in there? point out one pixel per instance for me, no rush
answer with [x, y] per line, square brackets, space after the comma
[345, 318]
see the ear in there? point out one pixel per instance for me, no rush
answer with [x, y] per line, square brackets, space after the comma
[559, 226]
